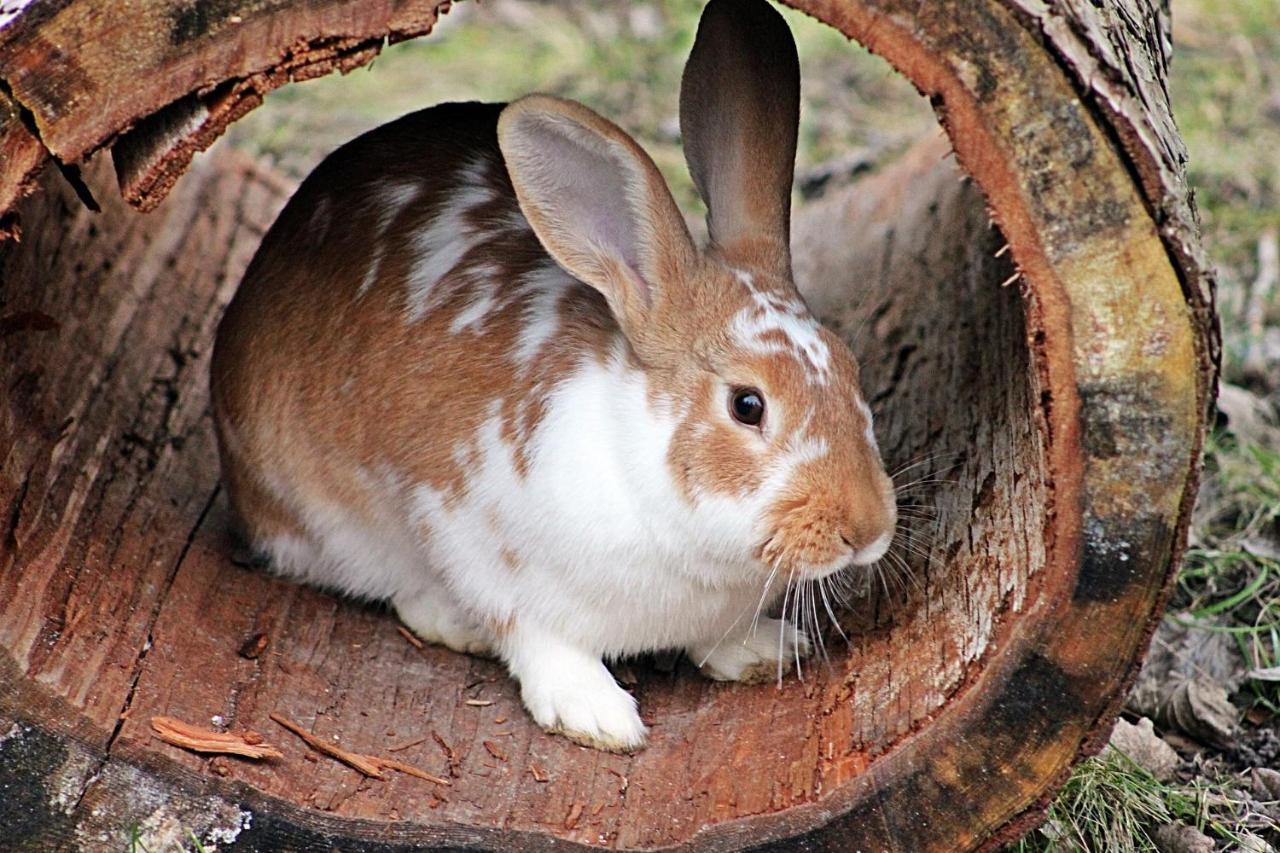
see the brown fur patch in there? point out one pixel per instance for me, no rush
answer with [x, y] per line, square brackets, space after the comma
[322, 382]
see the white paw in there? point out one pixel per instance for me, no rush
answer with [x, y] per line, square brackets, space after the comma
[585, 705]
[755, 657]
[437, 622]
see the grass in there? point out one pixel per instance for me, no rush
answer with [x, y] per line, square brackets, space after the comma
[1109, 803]
[1112, 804]
[1230, 581]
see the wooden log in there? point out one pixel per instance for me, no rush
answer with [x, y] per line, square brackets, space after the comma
[1066, 408]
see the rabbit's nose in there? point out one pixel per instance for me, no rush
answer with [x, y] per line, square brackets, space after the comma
[868, 554]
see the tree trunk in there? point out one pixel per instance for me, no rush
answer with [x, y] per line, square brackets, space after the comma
[1058, 385]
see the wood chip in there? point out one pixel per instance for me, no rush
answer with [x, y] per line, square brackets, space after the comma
[538, 774]
[495, 750]
[368, 765]
[455, 763]
[408, 635]
[197, 739]
[407, 744]
[254, 646]
[392, 764]
[479, 703]
[571, 819]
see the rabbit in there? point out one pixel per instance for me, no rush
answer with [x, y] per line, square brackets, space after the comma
[479, 369]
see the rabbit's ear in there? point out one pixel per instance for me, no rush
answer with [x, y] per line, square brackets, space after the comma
[597, 203]
[739, 111]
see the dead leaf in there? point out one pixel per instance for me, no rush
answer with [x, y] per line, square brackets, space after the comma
[1141, 743]
[1178, 838]
[1249, 416]
[1184, 684]
[1266, 784]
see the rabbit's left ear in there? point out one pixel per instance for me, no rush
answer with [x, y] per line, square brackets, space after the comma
[598, 205]
[739, 113]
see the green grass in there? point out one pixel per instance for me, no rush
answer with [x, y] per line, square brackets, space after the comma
[1112, 804]
[1226, 96]
[1230, 582]
[1109, 803]
[625, 66]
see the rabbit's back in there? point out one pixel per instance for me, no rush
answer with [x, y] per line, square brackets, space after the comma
[398, 305]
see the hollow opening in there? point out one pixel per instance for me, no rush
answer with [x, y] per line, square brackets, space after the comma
[119, 594]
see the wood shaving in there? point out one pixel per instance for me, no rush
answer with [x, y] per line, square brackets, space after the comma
[495, 750]
[254, 646]
[479, 703]
[408, 635]
[455, 763]
[538, 774]
[368, 765]
[575, 812]
[196, 739]
[408, 744]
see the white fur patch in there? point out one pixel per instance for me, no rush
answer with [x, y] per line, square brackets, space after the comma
[541, 320]
[473, 315]
[481, 288]
[869, 433]
[390, 197]
[772, 313]
[446, 239]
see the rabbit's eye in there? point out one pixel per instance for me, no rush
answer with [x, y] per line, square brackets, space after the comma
[747, 406]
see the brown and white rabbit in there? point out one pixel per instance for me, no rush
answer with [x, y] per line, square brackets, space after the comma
[479, 368]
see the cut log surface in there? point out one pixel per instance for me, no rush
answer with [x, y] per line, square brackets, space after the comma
[1054, 388]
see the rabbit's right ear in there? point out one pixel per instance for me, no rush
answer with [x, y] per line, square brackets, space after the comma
[597, 203]
[739, 113]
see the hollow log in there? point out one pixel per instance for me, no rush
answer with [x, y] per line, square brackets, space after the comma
[1035, 320]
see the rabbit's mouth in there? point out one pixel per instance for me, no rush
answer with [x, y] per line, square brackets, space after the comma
[811, 539]
[807, 554]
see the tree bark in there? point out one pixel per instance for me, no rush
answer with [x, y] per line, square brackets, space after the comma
[1053, 369]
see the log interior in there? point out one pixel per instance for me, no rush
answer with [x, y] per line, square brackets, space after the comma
[119, 600]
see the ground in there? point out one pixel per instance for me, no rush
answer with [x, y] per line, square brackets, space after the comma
[1213, 683]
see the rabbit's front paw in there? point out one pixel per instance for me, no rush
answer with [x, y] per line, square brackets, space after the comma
[755, 657]
[584, 704]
